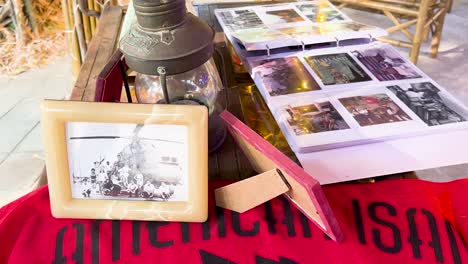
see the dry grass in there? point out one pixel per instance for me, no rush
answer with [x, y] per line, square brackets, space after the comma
[43, 47]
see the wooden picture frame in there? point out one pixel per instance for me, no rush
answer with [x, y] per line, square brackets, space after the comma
[302, 190]
[76, 132]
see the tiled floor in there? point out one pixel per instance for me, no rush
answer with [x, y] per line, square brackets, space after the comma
[21, 157]
[21, 151]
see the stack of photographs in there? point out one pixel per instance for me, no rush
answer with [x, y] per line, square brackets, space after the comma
[336, 97]
[291, 24]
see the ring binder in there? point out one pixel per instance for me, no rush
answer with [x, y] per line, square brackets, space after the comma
[337, 42]
[303, 45]
[268, 51]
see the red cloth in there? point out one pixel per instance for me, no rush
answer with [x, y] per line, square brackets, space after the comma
[400, 221]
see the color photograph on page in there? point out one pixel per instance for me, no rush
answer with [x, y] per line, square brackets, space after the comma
[283, 76]
[340, 68]
[374, 109]
[314, 118]
[321, 12]
[386, 63]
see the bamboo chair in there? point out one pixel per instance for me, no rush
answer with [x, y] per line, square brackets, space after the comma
[427, 16]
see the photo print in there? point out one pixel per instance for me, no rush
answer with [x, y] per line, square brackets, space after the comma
[241, 19]
[337, 69]
[314, 118]
[428, 102]
[374, 109]
[321, 12]
[386, 64]
[282, 16]
[283, 76]
[299, 32]
[114, 161]
[335, 28]
[257, 35]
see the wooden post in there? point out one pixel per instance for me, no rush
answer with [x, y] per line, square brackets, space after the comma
[92, 20]
[21, 29]
[79, 30]
[97, 7]
[418, 35]
[86, 27]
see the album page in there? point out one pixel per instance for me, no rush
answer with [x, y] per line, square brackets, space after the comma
[345, 96]
[269, 27]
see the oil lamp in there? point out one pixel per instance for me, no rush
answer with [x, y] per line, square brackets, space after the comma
[171, 51]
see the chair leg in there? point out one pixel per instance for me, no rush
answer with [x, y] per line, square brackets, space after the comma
[437, 35]
[427, 30]
[418, 35]
[449, 5]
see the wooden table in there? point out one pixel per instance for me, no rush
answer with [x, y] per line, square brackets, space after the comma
[228, 162]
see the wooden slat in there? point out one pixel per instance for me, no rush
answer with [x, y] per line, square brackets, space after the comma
[213, 169]
[99, 52]
[243, 164]
[226, 154]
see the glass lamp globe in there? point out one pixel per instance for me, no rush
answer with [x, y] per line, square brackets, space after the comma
[200, 85]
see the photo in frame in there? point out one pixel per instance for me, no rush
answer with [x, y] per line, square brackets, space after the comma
[130, 161]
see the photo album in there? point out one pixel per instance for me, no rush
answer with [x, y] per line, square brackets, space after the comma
[300, 23]
[340, 95]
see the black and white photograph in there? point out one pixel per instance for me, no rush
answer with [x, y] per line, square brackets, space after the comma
[281, 16]
[374, 109]
[241, 19]
[283, 76]
[337, 69]
[428, 102]
[314, 118]
[386, 64]
[115, 161]
[320, 12]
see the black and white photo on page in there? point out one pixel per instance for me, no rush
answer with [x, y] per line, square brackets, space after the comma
[432, 104]
[116, 161]
[240, 19]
